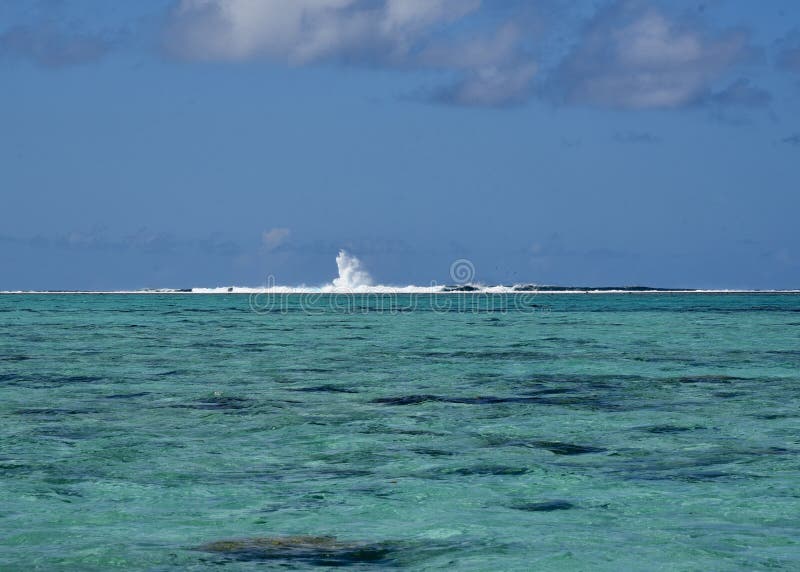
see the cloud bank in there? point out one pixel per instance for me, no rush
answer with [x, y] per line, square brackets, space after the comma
[307, 31]
[633, 55]
[274, 237]
[629, 54]
[488, 68]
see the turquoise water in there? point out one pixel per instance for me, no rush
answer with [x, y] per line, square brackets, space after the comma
[604, 432]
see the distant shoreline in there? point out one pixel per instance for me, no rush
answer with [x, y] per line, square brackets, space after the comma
[389, 291]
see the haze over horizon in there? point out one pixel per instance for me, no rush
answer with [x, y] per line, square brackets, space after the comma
[202, 143]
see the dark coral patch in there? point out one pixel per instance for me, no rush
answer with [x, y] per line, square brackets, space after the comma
[317, 550]
[544, 506]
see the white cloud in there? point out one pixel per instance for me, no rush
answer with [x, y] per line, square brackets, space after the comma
[487, 69]
[303, 31]
[274, 237]
[491, 86]
[494, 69]
[635, 56]
[631, 55]
[741, 93]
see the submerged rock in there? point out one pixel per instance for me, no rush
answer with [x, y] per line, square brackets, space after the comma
[328, 388]
[720, 379]
[559, 448]
[659, 429]
[501, 470]
[555, 447]
[217, 401]
[320, 550]
[544, 506]
[406, 399]
[14, 358]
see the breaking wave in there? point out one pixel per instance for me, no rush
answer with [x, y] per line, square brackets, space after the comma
[351, 274]
[353, 278]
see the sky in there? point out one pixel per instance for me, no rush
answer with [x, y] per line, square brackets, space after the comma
[185, 143]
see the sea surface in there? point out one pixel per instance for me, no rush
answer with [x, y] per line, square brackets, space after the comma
[488, 432]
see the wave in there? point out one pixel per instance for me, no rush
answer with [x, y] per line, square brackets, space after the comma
[353, 278]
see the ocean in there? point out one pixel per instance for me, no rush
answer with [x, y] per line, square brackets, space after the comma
[468, 431]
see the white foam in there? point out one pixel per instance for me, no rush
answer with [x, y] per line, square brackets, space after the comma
[386, 289]
[353, 278]
[352, 275]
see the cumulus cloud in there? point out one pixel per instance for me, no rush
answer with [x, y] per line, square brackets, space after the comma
[495, 71]
[486, 69]
[491, 87]
[741, 93]
[49, 46]
[631, 54]
[273, 238]
[303, 31]
[635, 56]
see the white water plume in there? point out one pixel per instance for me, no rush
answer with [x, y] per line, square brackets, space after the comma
[352, 274]
[354, 278]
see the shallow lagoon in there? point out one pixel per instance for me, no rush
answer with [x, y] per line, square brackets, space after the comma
[159, 432]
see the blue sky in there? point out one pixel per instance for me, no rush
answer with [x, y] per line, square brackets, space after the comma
[206, 142]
